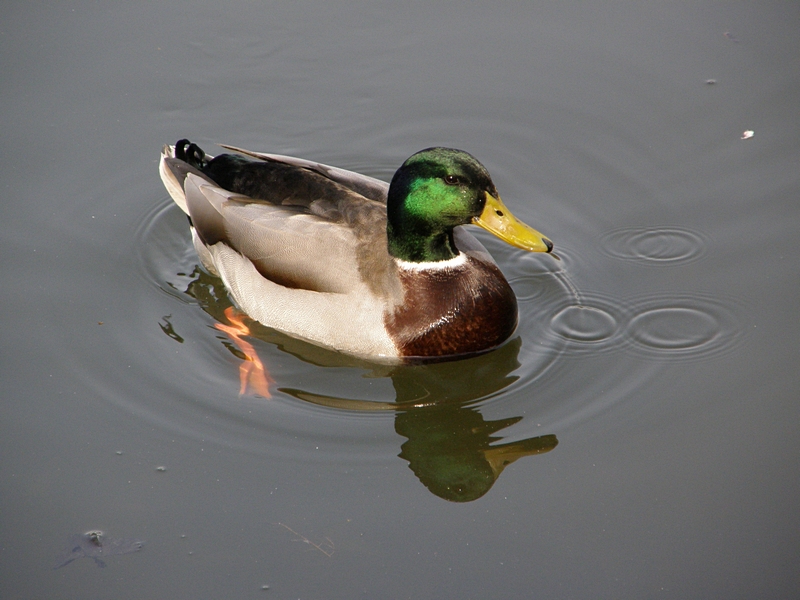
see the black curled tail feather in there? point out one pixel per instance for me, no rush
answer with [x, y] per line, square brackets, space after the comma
[191, 154]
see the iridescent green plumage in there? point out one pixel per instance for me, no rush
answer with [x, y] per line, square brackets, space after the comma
[434, 191]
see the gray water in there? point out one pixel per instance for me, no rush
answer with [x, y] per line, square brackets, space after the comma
[647, 405]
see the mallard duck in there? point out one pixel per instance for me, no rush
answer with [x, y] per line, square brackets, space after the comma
[345, 261]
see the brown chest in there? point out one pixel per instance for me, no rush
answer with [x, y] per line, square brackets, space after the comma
[461, 310]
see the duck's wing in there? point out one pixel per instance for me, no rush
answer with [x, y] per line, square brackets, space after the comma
[369, 187]
[327, 245]
[323, 279]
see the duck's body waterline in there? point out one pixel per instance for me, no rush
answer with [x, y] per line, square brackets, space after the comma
[348, 262]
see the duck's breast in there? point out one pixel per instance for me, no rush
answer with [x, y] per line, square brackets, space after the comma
[465, 309]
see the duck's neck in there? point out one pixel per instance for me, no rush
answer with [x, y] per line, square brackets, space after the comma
[416, 248]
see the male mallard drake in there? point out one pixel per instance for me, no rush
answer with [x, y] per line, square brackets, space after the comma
[348, 262]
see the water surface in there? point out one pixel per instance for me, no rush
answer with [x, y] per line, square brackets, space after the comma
[636, 436]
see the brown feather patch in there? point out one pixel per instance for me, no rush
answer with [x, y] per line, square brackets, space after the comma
[461, 310]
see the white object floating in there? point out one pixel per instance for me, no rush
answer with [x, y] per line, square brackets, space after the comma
[748, 134]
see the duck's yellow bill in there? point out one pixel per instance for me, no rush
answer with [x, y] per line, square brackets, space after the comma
[499, 220]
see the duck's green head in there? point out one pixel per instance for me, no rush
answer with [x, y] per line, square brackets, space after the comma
[438, 189]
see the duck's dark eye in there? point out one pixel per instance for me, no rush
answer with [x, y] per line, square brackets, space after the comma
[451, 180]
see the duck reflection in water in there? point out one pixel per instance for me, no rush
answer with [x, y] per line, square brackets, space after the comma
[450, 447]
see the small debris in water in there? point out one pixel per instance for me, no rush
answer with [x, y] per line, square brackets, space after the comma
[731, 37]
[326, 546]
[94, 544]
[748, 134]
[711, 81]
[161, 469]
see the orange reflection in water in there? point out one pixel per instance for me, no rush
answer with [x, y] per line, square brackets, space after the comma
[253, 375]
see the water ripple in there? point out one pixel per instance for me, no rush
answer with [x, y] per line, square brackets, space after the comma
[586, 324]
[685, 327]
[655, 245]
[590, 323]
[164, 246]
[665, 327]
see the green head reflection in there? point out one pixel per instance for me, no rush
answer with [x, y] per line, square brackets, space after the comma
[450, 449]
